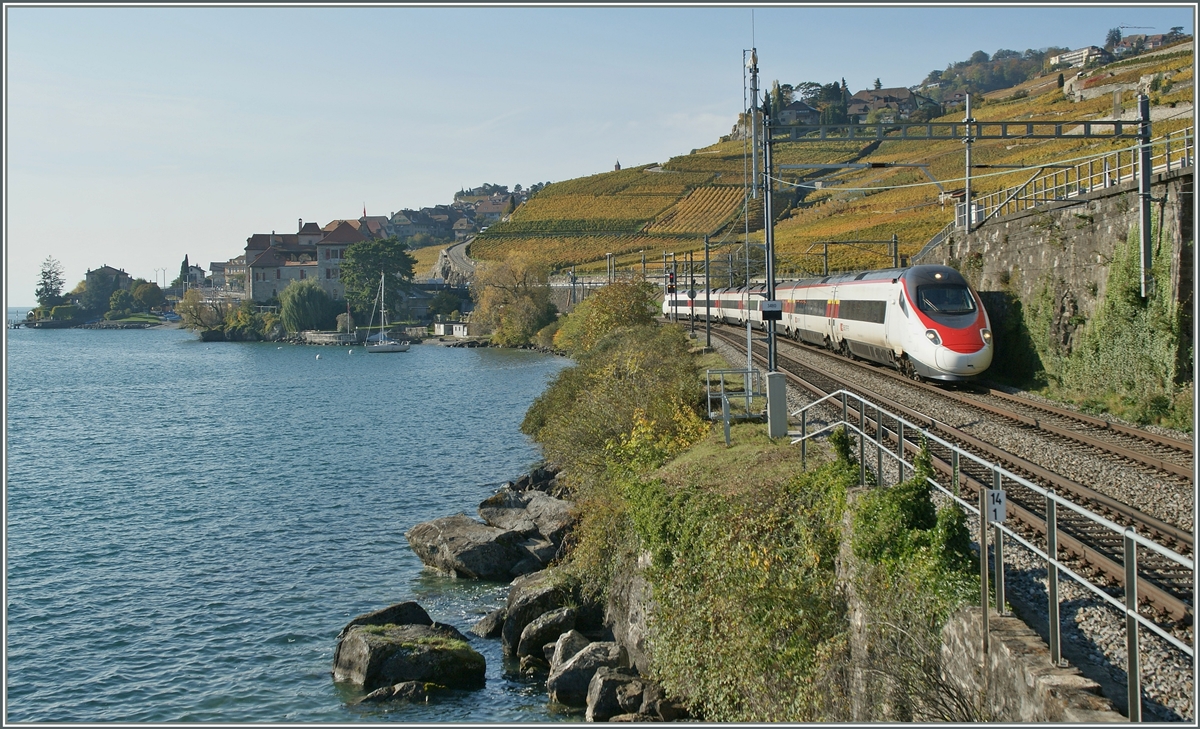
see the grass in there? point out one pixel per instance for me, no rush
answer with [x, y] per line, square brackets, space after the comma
[723, 470]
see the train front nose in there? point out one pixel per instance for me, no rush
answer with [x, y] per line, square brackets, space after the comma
[963, 363]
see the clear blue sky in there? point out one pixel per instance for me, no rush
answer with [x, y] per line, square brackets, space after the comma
[138, 135]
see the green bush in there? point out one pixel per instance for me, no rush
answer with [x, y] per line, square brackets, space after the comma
[65, 311]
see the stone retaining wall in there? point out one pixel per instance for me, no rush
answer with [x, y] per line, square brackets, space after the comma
[1016, 676]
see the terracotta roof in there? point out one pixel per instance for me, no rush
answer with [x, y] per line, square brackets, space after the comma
[335, 223]
[269, 257]
[342, 234]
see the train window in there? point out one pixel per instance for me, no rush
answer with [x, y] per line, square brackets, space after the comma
[945, 299]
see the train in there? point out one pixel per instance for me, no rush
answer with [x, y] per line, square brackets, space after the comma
[925, 321]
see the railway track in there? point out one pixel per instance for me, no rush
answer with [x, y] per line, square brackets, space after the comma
[1165, 588]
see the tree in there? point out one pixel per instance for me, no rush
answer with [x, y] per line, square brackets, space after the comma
[304, 305]
[445, 303]
[50, 283]
[196, 313]
[183, 272]
[513, 297]
[978, 57]
[95, 298]
[1112, 39]
[362, 266]
[878, 84]
[148, 295]
[119, 304]
[619, 304]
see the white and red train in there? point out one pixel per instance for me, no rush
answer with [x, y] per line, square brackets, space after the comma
[925, 321]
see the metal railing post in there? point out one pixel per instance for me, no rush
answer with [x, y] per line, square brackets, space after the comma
[725, 415]
[879, 444]
[954, 469]
[983, 562]
[845, 416]
[1052, 579]
[900, 448]
[998, 538]
[803, 439]
[862, 442]
[1132, 666]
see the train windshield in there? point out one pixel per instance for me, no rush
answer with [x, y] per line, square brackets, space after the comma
[945, 299]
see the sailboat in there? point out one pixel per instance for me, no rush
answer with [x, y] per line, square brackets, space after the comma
[381, 342]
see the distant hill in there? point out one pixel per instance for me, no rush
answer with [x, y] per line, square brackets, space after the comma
[670, 207]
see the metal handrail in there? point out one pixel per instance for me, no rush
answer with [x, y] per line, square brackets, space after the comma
[1097, 173]
[1128, 606]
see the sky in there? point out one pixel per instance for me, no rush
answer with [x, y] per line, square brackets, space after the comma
[137, 135]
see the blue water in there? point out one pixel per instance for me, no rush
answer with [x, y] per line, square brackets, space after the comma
[189, 525]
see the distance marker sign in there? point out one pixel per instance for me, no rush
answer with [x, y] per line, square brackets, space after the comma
[772, 310]
[996, 506]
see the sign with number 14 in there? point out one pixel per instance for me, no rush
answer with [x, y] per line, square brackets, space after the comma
[996, 505]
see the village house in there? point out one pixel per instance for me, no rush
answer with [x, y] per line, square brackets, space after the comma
[1081, 57]
[492, 209]
[107, 275]
[900, 102]
[798, 112]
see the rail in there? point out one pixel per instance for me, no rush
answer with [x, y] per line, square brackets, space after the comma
[1132, 540]
[1172, 151]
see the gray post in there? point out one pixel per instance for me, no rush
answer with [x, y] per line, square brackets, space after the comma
[845, 416]
[967, 140]
[895, 251]
[707, 300]
[777, 418]
[900, 447]
[879, 444]
[1145, 173]
[1052, 579]
[725, 417]
[803, 439]
[753, 123]
[769, 239]
[1132, 667]
[983, 561]
[998, 539]
[862, 442]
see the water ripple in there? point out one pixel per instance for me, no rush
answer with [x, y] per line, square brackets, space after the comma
[189, 525]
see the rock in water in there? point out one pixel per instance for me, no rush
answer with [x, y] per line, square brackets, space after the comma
[460, 546]
[565, 648]
[375, 656]
[530, 597]
[402, 613]
[545, 629]
[490, 625]
[414, 691]
[505, 509]
[568, 683]
[607, 689]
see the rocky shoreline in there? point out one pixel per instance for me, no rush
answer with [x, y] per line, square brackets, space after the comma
[399, 654]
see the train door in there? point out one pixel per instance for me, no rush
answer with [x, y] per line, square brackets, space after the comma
[895, 323]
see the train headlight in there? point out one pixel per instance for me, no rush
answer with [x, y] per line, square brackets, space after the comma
[932, 336]
[987, 335]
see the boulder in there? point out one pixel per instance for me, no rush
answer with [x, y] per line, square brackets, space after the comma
[606, 689]
[568, 683]
[655, 704]
[530, 596]
[414, 691]
[374, 656]
[402, 613]
[551, 515]
[567, 645]
[506, 510]
[490, 625]
[462, 547]
[540, 549]
[637, 718]
[545, 629]
[533, 665]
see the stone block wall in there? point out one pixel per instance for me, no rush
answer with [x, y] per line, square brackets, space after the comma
[1016, 677]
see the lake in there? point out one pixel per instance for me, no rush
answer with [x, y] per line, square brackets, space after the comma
[189, 525]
